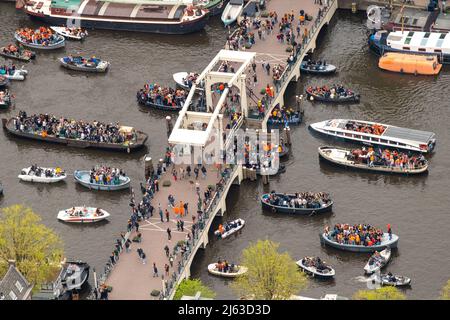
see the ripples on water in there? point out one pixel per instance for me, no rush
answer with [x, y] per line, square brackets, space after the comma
[416, 207]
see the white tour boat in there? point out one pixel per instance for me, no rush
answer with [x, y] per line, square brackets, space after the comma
[82, 215]
[372, 133]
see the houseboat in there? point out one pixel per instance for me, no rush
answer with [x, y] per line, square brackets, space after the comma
[371, 133]
[155, 16]
[432, 43]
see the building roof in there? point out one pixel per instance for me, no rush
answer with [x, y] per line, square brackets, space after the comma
[14, 286]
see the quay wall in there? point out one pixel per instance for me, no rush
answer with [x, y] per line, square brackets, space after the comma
[361, 5]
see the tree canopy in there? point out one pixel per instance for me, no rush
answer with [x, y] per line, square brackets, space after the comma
[36, 249]
[383, 293]
[271, 275]
[190, 287]
[445, 293]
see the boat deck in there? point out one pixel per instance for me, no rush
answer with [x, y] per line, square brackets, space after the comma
[408, 134]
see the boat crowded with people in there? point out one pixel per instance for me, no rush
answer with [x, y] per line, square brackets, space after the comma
[155, 16]
[13, 73]
[186, 80]
[12, 51]
[303, 203]
[375, 160]
[82, 215]
[333, 94]
[72, 33]
[394, 280]
[228, 228]
[156, 97]
[232, 11]
[226, 270]
[378, 260]
[43, 38]
[316, 267]
[5, 99]
[377, 134]
[284, 116]
[317, 67]
[79, 63]
[103, 178]
[360, 238]
[42, 175]
[4, 81]
[73, 133]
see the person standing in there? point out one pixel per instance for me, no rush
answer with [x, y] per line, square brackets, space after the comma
[169, 234]
[186, 208]
[196, 173]
[160, 212]
[182, 225]
[166, 267]
[255, 79]
[155, 270]
[167, 250]
[171, 261]
[254, 66]
[167, 215]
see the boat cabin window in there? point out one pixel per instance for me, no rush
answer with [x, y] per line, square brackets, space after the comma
[427, 35]
[348, 135]
[438, 50]
[384, 141]
[410, 34]
[422, 49]
[408, 40]
[406, 48]
[401, 144]
[376, 139]
[439, 43]
[357, 136]
[366, 138]
[415, 21]
[442, 36]
[340, 133]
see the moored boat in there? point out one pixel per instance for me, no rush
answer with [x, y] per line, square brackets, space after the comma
[42, 175]
[5, 99]
[316, 267]
[394, 280]
[229, 228]
[232, 271]
[361, 160]
[410, 63]
[300, 203]
[82, 64]
[11, 51]
[82, 215]
[215, 7]
[378, 260]
[156, 97]
[332, 95]
[48, 41]
[373, 133]
[70, 33]
[123, 138]
[232, 11]
[318, 67]
[92, 181]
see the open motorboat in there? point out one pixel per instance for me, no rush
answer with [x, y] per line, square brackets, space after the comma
[12, 51]
[372, 133]
[393, 280]
[229, 228]
[290, 203]
[84, 178]
[70, 33]
[317, 67]
[42, 175]
[316, 267]
[82, 64]
[232, 11]
[82, 215]
[333, 95]
[17, 74]
[378, 260]
[185, 80]
[233, 271]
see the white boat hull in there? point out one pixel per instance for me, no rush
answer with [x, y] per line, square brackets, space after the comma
[19, 75]
[230, 232]
[231, 13]
[25, 176]
[89, 215]
[371, 268]
[63, 32]
[213, 270]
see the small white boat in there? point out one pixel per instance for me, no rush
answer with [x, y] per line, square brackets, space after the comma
[232, 11]
[378, 260]
[42, 175]
[316, 267]
[393, 280]
[229, 228]
[234, 272]
[18, 75]
[82, 215]
[69, 34]
[83, 64]
[181, 79]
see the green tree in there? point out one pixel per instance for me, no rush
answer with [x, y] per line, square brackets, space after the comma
[271, 275]
[445, 293]
[190, 287]
[36, 249]
[384, 293]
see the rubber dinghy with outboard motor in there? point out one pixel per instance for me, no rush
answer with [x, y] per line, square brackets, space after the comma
[229, 228]
[235, 271]
[82, 64]
[82, 215]
[317, 68]
[232, 11]
[285, 207]
[84, 178]
[348, 97]
[378, 260]
[68, 33]
[393, 280]
[316, 267]
[17, 75]
[42, 175]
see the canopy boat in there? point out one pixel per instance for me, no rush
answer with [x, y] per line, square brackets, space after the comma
[182, 80]
[42, 175]
[58, 42]
[17, 74]
[229, 228]
[74, 275]
[84, 178]
[153, 105]
[317, 67]
[70, 33]
[155, 16]
[386, 242]
[4, 81]
[17, 53]
[410, 63]
[232, 11]
[332, 97]
[83, 64]
[316, 267]
[82, 215]
[5, 99]
[373, 133]
[283, 205]
[378, 260]
[346, 158]
[393, 280]
[129, 145]
[233, 272]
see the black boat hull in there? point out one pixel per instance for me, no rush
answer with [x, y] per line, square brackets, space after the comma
[350, 99]
[299, 211]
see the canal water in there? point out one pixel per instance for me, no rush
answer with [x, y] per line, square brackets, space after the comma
[416, 207]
